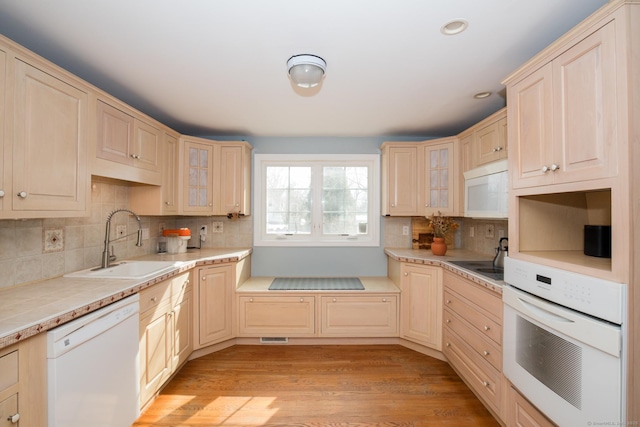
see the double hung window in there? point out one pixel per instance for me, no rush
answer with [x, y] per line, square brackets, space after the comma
[317, 200]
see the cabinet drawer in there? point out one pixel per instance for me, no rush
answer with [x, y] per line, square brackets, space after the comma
[151, 298]
[481, 299]
[522, 413]
[483, 346]
[371, 316]
[276, 316]
[477, 320]
[479, 375]
[8, 370]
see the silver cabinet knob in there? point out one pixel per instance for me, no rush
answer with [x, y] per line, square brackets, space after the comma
[384, 300]
[13, 419]
[1, 193]
[406, 274]
[555, 167]
[486, 328]
[486, 353]
[154, 299]
[485, 383]
[22, 194]
[301, 299]
[250, 299]
[545, 169]
[334, 300]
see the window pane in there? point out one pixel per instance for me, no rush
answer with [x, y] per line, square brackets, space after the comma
[288, 200]
[345, 200]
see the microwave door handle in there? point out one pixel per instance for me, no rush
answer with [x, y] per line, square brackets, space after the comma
[543, 314]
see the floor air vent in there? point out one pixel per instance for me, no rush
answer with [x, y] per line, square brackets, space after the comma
[274, 340]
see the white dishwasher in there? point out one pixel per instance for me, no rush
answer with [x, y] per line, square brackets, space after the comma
[93, 366]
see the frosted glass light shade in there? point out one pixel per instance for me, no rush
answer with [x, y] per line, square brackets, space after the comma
[306, 71]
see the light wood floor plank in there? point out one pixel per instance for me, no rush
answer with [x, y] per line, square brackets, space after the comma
[313, 386]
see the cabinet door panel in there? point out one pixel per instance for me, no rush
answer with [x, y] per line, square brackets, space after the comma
[146, 147]
[215, 293]
[402, 181]
[439, 169]
[198, 178]
[182, 329]
[49, 155]
[5, 169]
[115, 133]
[155, 352]
[585, 109]
[530, 108]
[374, 316]
[276, 316]
[421, 319]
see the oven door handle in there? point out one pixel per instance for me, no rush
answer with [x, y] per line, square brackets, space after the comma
[545, 314]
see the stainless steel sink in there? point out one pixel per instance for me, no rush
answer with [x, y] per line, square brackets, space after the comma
[126, 270]
[484, 268]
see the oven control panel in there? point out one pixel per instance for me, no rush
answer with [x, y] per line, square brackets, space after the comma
[593, 296]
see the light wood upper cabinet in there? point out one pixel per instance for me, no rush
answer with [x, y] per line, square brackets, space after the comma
[235, 179]
[47, 138]
[439, 173]
[564, 116]
[126, 146]
[164, 199]
[421, 302]
[485, 142]
[399, 179]
[197, 176]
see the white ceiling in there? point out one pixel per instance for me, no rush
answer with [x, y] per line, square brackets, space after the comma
[218, 67]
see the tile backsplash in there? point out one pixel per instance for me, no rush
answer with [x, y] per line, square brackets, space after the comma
[37, 249]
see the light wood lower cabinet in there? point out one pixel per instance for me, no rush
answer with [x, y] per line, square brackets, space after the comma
[421, 315]
[276, 316]
[472, 337]
[521, 413]
[23, 383]
[214, 304]
[359, 316]
[165, 333]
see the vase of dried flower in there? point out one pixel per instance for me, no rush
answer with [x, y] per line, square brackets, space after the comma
[439, 247]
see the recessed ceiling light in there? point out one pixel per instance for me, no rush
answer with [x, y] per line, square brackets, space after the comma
[482, 95]
[454, 27]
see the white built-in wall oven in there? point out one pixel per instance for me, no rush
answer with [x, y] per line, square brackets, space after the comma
[564, 343]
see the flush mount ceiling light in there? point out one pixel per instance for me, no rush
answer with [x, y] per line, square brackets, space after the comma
[482, 95]
[454, 27]
[306, 71]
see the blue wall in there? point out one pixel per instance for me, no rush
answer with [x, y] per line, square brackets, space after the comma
[318, 261]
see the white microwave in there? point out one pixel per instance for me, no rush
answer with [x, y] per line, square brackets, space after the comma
[485, 191]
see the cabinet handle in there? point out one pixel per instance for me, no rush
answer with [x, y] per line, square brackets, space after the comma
[555, 167]
[154, 299]
[448, 301]
[250, 299]
[426, 205]
[22, 194]
[486, 328]
[1, 193]
[448, 344]
[204, 278]
[13, 419]
[334, 300]
[301, 299]
[486, 353]
[136, 156]
[448, 320]
[406, 274]
[237, 205]
[392, 205]
[384, 300]
[545, 169]
[485, 383]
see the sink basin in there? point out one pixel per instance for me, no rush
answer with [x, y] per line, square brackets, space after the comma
[484, 268]
[126, 270]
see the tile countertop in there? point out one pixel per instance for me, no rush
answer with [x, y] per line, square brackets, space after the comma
[29, 309]
[423, 256]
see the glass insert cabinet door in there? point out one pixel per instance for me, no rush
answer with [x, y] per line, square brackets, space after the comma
[199, 191]
[438, 168]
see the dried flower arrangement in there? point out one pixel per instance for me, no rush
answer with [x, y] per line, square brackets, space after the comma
[442, 225]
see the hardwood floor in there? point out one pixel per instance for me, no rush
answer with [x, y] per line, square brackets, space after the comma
[273, 385]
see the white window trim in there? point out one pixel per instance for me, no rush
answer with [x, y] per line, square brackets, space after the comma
[260, 238]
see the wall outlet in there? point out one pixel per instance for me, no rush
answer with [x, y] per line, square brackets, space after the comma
[488, 231]
[121, 230]
[217, 227]
[405, 230]
[145, 234]
[203, 230]
[472, 231]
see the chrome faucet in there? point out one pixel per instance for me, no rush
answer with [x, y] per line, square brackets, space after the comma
[106, 257]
